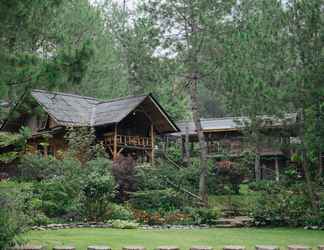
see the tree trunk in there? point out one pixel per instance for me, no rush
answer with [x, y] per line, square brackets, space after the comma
[312, 195]
[203, 190]
[310, 189]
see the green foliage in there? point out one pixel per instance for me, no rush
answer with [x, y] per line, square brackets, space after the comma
[81, 143]
[149, 178]
[37, 167]
[124, 224]
[13, 144]
[7, 231]
[164, 200]
[55, 198]
[12, 219]
[97, 192]
[100, 165]
[119, 212]
[203, 215]
[265, 185]
[284, 208]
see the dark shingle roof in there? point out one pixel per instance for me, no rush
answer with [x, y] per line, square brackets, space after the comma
[115, 110]
[231, 123]
[75, 110]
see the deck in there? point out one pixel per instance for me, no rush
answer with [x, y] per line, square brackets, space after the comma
[128, 141]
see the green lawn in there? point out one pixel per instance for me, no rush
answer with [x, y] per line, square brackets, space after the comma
[217, 238]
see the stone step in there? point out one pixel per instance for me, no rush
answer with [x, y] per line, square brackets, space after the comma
[201, 248]
[263, 247]
[298, 247]
[167, 248]
[99, 248]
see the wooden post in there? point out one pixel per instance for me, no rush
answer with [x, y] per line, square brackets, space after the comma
[277, 168]
[257, 166]
[183, 150]
[46, 151]
[152, 144]
[115, 143]
[187, 150]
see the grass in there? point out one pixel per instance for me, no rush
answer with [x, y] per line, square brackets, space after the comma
[117, 238]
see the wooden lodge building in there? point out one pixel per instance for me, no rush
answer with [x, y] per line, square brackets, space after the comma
[130, 126]
[127, 126]
[225, 138]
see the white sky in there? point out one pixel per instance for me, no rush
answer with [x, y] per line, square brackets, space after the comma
[130, 3]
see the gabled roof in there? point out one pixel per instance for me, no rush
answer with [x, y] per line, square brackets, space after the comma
[233, 123]
[75, 110]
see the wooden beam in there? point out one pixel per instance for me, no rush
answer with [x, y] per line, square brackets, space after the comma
[111, 150]
[187, 150]
[120, 150]
[115, 143]
[277, 169]
[152, 144]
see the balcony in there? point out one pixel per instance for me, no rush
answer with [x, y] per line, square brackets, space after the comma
[134, 141]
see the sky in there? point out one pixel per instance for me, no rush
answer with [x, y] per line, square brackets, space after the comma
[130, 3]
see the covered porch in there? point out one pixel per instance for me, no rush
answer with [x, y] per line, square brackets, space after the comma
[137, 145]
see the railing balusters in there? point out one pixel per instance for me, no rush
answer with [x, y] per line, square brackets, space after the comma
[130, 140]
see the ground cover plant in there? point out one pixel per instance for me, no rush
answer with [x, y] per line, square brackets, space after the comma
[117, 238]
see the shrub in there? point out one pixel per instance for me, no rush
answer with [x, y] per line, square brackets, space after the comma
[81, 143]
[97, 191]
[124, 224]
[54, 197]
[178, 218]
[12, 220]
[98, 165]
[165, 200]
[36, 167]
[203, 215]
[229, 175]
[265, 185]
[148, 177]
[285, 207]
[123, 170]
[118, 212]
[40, 219]
[150, 218]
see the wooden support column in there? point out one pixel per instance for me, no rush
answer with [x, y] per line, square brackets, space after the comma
[183, 150]
[115, 143]
[277, 168]
[257, 167]
[187, 150]
[152, 144]
[46, 151]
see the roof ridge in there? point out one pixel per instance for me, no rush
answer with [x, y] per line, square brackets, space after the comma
[100, 101]
[65, 94]
[215, 118]
[121, 98]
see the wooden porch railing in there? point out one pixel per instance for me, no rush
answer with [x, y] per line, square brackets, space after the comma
[128, 140]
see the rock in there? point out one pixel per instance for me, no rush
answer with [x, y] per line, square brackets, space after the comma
[134, 248]
[298, 247]
[233, 248]
[321, 247]
[263, 247]
[201, 248]
[64, 248]
[29, 247]
[167, 248]
[99, 248]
